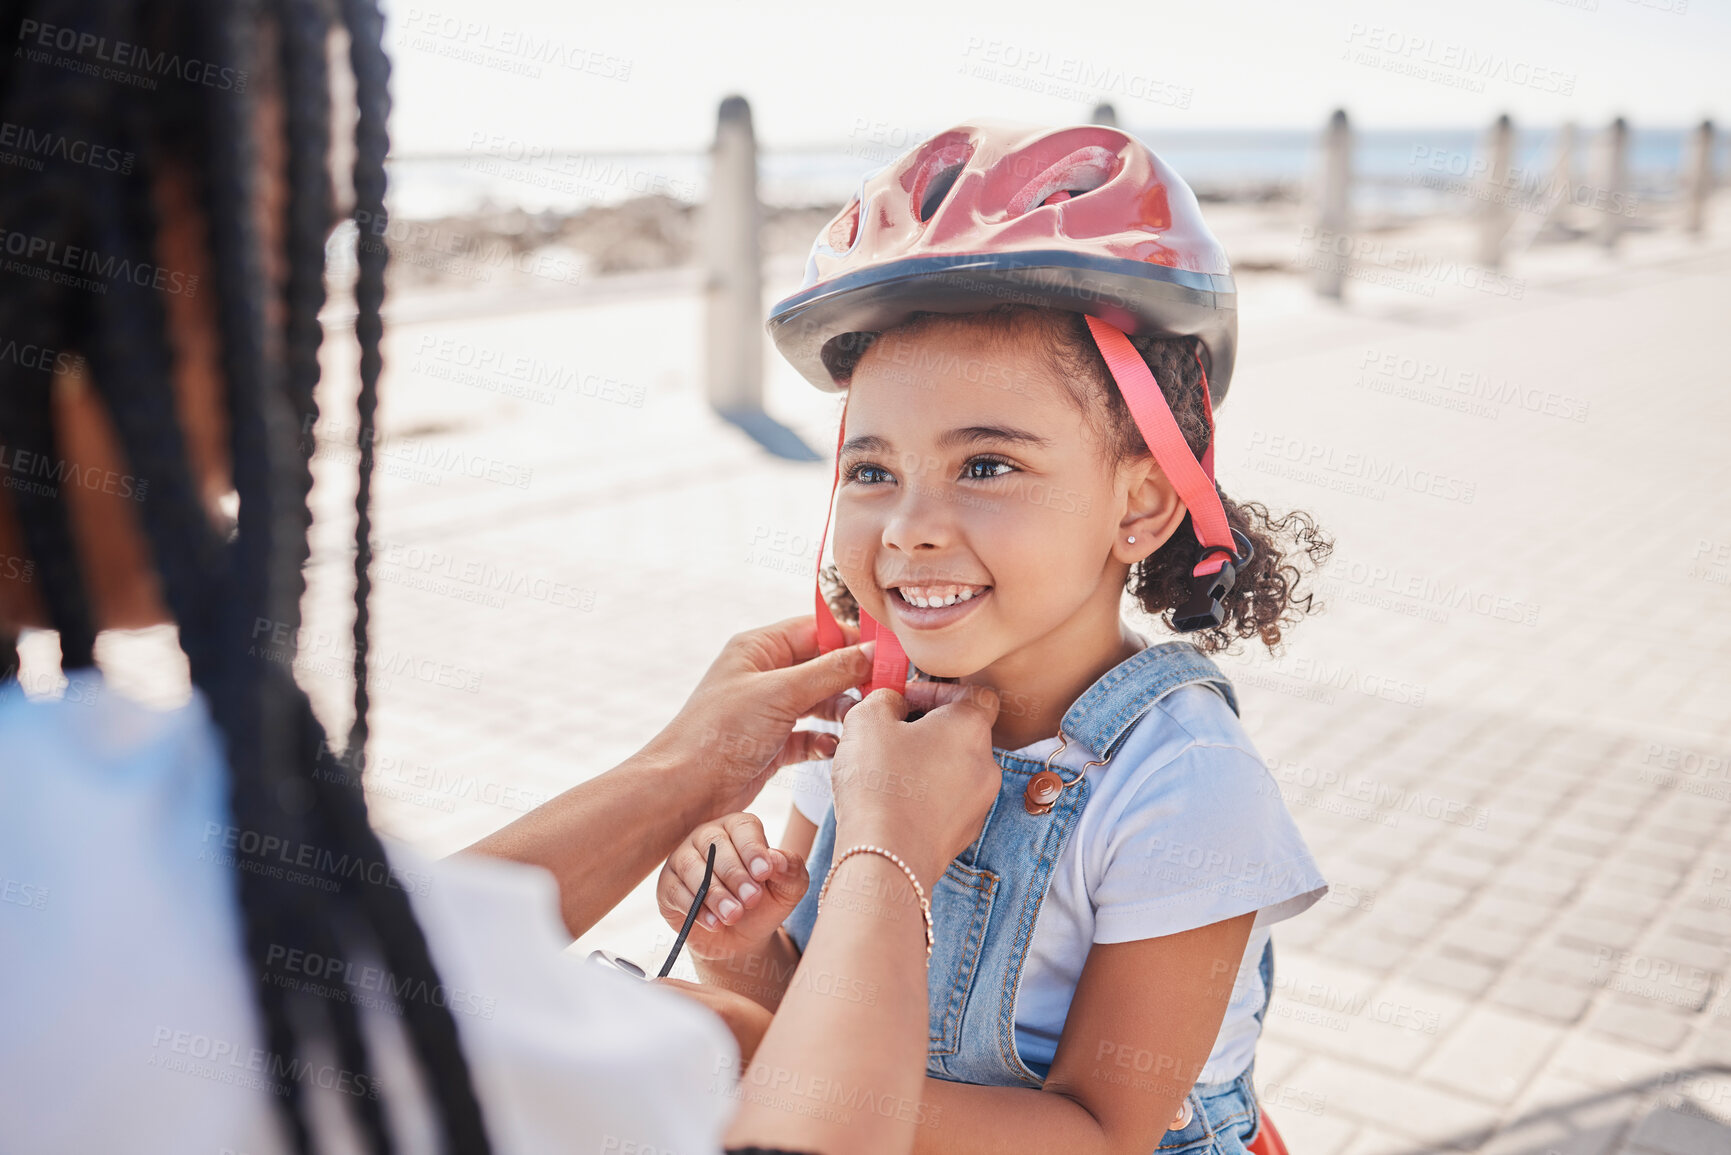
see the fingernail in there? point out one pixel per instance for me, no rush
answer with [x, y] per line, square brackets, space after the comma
[748, 891]
[709, 920]
[869, 649]
[759, 867]
[730, 909]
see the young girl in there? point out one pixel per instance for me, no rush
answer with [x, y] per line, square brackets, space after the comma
[1029, 325]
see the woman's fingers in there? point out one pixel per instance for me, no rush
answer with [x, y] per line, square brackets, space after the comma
[805, 746]
[835, 707]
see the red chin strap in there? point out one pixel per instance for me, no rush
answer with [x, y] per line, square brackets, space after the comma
[1194, 481]
[889, 662]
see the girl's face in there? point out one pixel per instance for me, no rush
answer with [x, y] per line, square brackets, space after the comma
[979, 518]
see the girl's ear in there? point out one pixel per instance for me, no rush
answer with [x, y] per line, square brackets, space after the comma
[1153, 512]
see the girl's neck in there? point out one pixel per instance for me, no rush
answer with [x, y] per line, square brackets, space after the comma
[1038, 683]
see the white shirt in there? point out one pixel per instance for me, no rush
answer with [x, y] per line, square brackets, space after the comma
[1184, 828]
[127, 1018]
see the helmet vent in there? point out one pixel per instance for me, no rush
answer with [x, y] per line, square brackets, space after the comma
[1080, 172]
[937, 174]
[844, 230]
[936, 190]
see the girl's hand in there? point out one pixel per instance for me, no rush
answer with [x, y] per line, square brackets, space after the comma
[755, 886]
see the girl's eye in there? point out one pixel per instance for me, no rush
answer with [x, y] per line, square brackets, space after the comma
[985, 468]
[867, 473]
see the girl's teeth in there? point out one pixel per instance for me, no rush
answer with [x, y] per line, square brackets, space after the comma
[934, 601]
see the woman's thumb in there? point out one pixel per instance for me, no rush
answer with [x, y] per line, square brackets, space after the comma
[827, 675]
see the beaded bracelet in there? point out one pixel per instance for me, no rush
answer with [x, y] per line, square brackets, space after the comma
[919, 891]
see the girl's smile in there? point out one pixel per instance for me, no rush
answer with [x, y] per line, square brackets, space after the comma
[933, 606]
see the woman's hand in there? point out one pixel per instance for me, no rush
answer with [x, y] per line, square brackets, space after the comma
[920, 789]
[755, 887]
[737, 726]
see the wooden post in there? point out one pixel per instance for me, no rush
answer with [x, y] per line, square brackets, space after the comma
[1698, 180]
[1494, 193]
[733, 287]
[734, 266]
[1330, 246]
[1613, 179]
[1104, 114]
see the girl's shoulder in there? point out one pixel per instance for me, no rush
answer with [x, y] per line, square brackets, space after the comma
[1188, 752]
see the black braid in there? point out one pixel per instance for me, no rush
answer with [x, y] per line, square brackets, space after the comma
[32, 309]
[285, 782]
[306, 27]
[406, 952]
[372, 142]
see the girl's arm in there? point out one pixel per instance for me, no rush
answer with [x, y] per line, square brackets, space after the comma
[1141, 1026]
[801, 832]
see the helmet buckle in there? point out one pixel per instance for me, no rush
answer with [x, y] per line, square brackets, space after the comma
[1203, 610]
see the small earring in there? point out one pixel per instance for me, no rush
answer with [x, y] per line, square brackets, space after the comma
[1131, 540]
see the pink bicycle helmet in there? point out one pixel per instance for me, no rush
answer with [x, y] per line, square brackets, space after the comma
[1085, 218]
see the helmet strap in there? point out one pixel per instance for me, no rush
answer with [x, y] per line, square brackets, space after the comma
[1213, 576]
[889, 662]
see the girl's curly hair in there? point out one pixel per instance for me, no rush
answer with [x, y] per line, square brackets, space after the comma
[1265, 600]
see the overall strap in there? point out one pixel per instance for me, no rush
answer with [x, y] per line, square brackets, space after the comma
[1104, 716]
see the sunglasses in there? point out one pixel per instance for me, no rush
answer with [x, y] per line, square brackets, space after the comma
[607, 958]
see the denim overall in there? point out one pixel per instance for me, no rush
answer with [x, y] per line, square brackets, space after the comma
[984, 906]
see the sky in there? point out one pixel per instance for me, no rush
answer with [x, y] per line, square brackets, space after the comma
[576, 74]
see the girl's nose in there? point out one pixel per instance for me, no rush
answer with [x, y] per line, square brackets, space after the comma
[921, 519]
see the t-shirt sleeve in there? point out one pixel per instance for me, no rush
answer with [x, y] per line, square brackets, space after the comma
[1201, 838]
[810, 781]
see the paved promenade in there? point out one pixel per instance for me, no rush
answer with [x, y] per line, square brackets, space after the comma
[1508, 738]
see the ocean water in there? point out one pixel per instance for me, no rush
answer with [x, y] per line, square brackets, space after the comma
[1395, 170]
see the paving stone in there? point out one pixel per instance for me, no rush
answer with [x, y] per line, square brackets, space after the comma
[1490, 944]
[1497, 907]
[1643, 1022]
[1323, 1133]
[1454, 972]
[1545, 997]
[1609, 1064]
[1425, 894]
[1402, 1104]
[1375, 1141]
[1491, 1054]
[1596, 933]
[1368, 951]
[1569, 1116]
[1669, 1131]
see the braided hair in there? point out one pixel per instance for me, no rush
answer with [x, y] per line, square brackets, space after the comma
[185, 105]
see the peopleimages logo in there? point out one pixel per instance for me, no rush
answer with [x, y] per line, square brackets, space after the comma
[42, 258]
[58, 146]
[131, 63]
